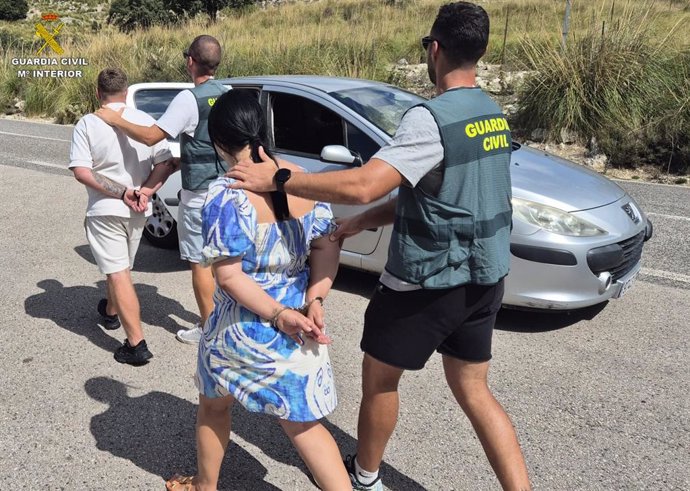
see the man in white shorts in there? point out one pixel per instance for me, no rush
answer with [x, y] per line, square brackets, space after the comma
[187, 116]
[120, 176]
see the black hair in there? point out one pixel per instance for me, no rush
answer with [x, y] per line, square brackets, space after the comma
[237, 120]
[462, 30]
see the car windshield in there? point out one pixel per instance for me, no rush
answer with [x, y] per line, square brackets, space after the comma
[383, 106]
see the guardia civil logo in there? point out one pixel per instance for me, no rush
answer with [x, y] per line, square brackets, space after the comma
[49, 61]
[49, 37]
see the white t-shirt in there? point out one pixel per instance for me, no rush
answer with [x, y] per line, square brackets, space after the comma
[417, 153]
[181, 116]
[98, 146]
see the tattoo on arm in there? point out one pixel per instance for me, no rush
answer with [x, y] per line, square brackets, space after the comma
[111, 187]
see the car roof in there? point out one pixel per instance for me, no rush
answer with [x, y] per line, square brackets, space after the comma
[323, 83]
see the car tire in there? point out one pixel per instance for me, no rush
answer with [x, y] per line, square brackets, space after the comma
[161, 228]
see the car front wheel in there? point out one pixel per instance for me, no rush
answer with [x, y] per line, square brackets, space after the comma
[161, 229]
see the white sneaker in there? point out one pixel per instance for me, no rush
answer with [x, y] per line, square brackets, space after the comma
[189, 336]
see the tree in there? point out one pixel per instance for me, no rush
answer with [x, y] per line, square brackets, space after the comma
[13, 9]
[184, 8]
[211, 7]
[132, 14]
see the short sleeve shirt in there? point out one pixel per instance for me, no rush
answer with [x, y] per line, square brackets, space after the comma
[181, 116]
[108, 151]
[416, 151]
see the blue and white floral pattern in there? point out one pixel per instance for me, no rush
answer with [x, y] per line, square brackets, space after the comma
[241, 354]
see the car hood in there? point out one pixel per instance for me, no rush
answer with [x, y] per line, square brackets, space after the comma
[547, 179]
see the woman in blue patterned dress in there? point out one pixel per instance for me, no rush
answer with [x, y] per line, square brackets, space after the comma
[264, 344]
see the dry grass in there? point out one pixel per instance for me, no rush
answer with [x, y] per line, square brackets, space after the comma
[359, 38]
[625, 85]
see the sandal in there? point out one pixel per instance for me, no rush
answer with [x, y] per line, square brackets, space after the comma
[180, 483]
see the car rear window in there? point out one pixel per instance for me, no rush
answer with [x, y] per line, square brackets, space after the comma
[154, 101]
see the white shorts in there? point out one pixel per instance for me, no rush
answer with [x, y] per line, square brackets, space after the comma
[189, 233]
[114, 241]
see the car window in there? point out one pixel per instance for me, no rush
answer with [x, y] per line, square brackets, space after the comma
[383, 106]
[358, 142]
[154, 102]
[255, 91]
[303, 126]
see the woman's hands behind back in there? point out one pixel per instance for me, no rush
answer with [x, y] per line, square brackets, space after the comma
[293, 323]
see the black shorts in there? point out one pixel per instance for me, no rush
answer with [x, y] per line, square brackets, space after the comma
[403, 329]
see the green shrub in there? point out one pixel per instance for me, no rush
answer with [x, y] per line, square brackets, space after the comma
[617, 85]
[129, 15]
[13, 9]
[237, 4]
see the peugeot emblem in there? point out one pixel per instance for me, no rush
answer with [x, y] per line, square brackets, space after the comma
[629, 209]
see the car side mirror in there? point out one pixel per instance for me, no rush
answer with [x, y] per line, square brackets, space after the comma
[339, 154]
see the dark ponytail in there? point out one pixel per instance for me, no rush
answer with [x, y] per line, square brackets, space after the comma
[237, 120]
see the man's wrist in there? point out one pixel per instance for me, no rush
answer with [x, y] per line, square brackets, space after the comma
[281, 177]
[360, 221]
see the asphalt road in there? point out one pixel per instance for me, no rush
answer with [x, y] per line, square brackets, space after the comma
[599, 398]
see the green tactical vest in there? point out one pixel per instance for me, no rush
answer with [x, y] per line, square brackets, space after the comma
[199, 166]
[462, 235]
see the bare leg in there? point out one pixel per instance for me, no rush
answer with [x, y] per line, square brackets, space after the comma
[123, 298]
[378, 412]
[213, 421]
[110, 306]
[204, 285]
[467, 380]
[319, 451]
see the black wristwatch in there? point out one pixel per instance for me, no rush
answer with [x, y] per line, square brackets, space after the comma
[282, 176]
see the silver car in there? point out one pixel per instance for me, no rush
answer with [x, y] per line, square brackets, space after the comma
[577, 237]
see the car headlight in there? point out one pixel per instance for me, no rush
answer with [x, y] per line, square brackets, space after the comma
[553, 220]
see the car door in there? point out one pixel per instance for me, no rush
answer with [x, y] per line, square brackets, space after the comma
[301, 123]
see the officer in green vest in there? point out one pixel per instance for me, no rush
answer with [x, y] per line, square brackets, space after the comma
[187, 116]
[449, 251]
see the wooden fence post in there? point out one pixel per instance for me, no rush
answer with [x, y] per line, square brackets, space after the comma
[566, 23]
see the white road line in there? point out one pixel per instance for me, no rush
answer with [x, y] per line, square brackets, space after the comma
[37, 122]
[674, 217]
[33, 136]
[47, 164]
[632, 181]
[667, 275]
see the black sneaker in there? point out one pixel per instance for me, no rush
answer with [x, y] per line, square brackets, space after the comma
[109, 322]
[133, 355]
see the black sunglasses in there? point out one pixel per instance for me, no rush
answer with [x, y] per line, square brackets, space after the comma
[427, 40]
[186, 54]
